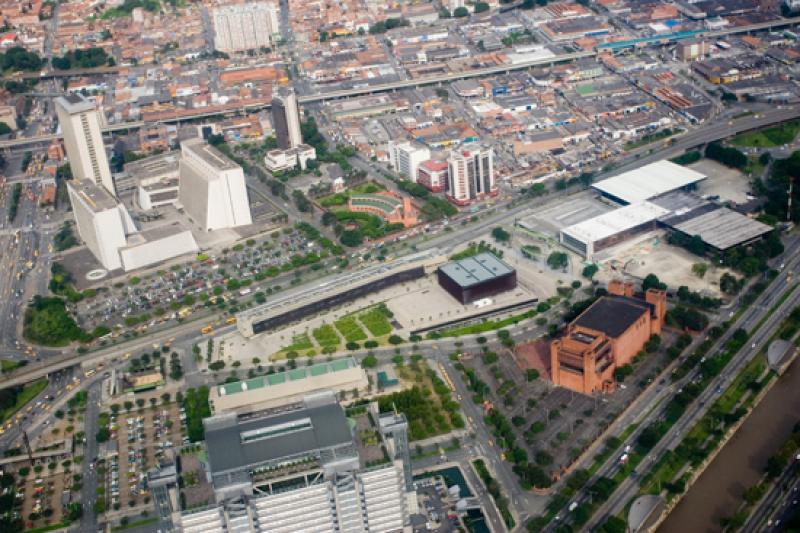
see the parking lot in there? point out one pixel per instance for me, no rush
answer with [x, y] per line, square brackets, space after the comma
[557, 424]
[44, 495]
[143, 300]
[142, 437]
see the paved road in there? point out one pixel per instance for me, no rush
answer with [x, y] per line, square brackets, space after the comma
[748, 321]
[41, 407]
[90, 478]
[779, 503]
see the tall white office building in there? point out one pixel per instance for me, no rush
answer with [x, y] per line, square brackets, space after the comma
[242, 27]
[405, 158]
[212, 187]
[470, 174]
[286, 119]
[103, 223]
[83, 140]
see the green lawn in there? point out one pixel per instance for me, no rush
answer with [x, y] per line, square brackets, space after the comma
[7, 365]
[350, 329]
[300, 342]
[489, 325]
[341, 198]
[28, 393]
[376, 322]
[136, 523]
[770, 137]
[326, 336]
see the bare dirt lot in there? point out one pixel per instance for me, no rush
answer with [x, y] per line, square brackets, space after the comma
[650, 254]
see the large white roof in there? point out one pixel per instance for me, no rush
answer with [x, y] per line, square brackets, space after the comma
[614, 222]
[648, 181]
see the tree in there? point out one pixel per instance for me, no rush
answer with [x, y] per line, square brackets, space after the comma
[557, 260]
[460, 12]
[651, 281]
[500, 235]
[351, 238]
[543, 458]
[370, 361]
[480, 7]
[102, 434]
[589, 271]
[396, 339]
[328, 218]
[531, 374]
[729, 284]
[730, 157]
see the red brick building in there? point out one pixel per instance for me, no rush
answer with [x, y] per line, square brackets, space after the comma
[606, 336]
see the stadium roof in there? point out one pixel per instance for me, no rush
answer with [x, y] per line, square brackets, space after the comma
[648, 181]
[614, 222]
[477, 269]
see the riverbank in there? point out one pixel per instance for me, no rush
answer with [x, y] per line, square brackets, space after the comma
[740, 462]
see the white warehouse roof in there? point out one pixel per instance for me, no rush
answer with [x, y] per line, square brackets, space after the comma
[648, 181]
[614, 222]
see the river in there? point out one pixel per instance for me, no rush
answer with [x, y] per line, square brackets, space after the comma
[740, 464]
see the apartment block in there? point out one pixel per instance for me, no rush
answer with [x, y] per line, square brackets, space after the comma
[83, 140]
[432, 175]
[286, 119]
[405, 157]
[470, 174]
[243, 27]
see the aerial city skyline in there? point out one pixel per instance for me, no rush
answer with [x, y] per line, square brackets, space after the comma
[492, 266]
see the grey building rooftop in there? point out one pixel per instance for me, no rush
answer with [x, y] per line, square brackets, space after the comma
[208, 154]
[95, 196]
[237, 443]
[75, 103]
[477, 269]
[155, 166]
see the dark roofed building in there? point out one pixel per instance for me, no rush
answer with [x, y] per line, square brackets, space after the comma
[241, 446]
[605, 337]
[613, 315]
[476, 277]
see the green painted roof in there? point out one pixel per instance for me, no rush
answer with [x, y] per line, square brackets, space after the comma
[276, 379]
[341, 364]
[378, 201]
[291, 375]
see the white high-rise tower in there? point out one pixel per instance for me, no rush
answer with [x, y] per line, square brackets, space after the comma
[84, 141]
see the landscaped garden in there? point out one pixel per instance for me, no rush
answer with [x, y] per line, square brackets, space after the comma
[340, 198]
[326, 336]
[376, 320]
[350, 330]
